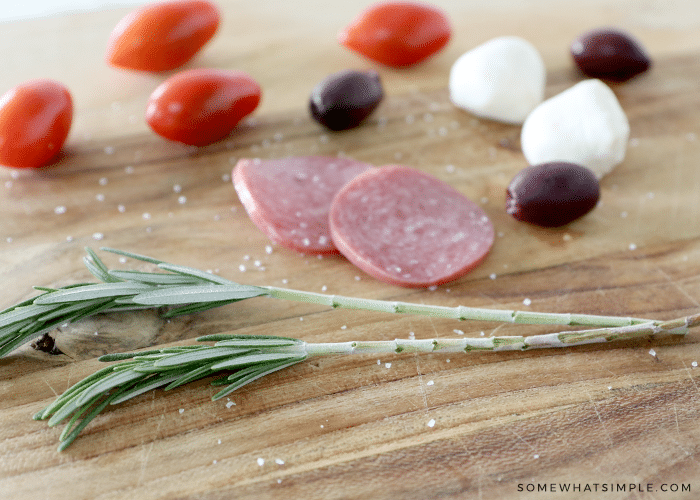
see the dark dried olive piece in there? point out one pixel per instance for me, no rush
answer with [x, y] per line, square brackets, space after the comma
[609, 55]
[552, 194]
[342, 100]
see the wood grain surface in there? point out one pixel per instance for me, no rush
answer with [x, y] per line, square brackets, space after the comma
[598, 417]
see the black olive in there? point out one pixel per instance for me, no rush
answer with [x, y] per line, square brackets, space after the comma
[552, 194]
[609, 55]
[342, 100]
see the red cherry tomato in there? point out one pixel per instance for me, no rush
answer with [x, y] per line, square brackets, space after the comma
[201, 106]
[162, 36]
[397, 33]
[35, 118]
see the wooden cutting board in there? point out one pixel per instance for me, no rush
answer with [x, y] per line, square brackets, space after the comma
[597, 418]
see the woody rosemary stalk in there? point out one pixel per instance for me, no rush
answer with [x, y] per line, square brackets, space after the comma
[185, 290]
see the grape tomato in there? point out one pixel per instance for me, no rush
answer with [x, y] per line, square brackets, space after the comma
[162, 36]
[35, 118]
[201, 106]
[397, 33]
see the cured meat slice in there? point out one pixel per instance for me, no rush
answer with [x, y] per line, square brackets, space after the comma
[288, 198]
[407, 228]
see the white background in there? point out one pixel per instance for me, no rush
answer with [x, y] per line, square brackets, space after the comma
[22, 9]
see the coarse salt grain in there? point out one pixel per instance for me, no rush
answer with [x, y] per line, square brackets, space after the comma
[527, 302]
[261, 462]
[279, 461]
[431, 422]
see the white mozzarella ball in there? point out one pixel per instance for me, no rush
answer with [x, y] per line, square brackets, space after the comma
[585, 124]
[502, 79]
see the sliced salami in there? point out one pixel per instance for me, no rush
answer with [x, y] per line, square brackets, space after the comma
[288, 198]
[407, 228]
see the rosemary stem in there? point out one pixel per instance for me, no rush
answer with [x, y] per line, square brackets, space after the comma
[460, 313]
[503, 343]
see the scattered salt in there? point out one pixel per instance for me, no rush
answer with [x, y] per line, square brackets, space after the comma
[388, 365]
[61, 209]
[430, 382]
[632, 246]
[103, 181]
[97, 236]
[100, 197]
[431, 422]
[694, 364]
[527, 302]
[230, 404]
[182, 200]
[241, 268]
[261, 462]
[279, 461]
[458, 332]
[268, 249]
[652, 352]
[181, 410]
[146, 215]
[492, 276]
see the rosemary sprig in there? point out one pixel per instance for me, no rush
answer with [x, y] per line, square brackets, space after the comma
[185, 290]
[252, 357]
[249, 357]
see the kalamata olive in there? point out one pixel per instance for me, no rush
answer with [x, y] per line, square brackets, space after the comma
[342, 100]
[609, 55]
[552, 194]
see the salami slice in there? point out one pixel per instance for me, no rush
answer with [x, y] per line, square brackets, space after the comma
[407, 228]
[288, 198]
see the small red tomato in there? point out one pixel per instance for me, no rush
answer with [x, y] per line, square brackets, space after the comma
[201, 106]
[162, 36]
[397, 33]
[35, 118]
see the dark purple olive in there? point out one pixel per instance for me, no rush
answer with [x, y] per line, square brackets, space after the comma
[552, 194]
[342, 100]
[609, 55]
